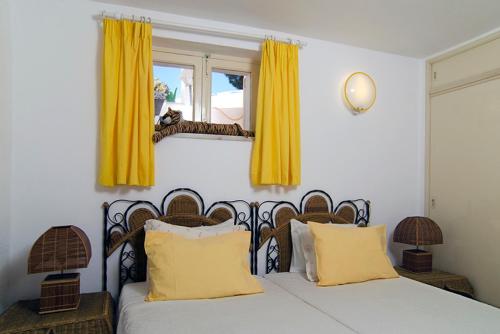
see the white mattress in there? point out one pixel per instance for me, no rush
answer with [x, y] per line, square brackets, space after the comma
[397, 305]
[274, 311]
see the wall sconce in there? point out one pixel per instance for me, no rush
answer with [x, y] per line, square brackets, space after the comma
[360, 91]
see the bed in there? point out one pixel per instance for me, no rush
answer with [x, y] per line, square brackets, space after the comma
[397, 305]
[274, 311]
[290, 303]
[384, 306]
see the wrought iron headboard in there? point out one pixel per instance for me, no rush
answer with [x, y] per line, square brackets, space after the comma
[268, 222]
[124, 221]
[273, 217]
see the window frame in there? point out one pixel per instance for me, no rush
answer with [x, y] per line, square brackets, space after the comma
[234, 67]
[169, 58]
[203, 64]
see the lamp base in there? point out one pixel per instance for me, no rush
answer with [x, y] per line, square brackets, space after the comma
[417, 260]
[60, 292]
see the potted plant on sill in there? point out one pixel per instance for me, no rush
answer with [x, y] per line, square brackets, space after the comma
[161, 91]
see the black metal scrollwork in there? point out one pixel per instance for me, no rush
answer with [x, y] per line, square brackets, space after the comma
[120, 232]
[266, 219]
[124, 220]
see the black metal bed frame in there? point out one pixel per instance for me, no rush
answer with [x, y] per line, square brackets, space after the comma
[252, 215]
[116, 218]
[266, 213]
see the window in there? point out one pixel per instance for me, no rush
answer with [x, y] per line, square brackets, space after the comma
[227, 103]
[206, 87]
[177, 81]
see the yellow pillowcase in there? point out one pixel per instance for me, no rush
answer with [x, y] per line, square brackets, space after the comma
[212, 267]
[350, 255]
[381, 229]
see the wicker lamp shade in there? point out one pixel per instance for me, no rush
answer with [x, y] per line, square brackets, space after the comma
[418, 231]
[60, 248]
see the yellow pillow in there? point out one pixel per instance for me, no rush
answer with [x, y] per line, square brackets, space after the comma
[350, 255]
[212, 267]
[381, 229]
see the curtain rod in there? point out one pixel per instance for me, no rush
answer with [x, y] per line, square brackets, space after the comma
[202, 30]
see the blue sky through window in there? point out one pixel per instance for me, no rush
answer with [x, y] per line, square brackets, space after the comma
[171, 75]
[220, 83]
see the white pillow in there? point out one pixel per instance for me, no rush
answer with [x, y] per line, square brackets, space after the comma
[298, 261]
[193, 232]
[305, 247]
[307, 244]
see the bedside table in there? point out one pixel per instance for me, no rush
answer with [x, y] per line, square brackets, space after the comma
[95, 315]
[441, 279]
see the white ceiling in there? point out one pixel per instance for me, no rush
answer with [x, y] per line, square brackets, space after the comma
[416, 28]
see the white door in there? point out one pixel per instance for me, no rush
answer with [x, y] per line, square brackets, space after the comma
[464, 184]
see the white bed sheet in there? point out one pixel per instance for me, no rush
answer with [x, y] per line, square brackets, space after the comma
[274, 311]
[399, 305]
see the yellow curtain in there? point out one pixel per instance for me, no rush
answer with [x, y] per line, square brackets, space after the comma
[127, 115]
[276, 150]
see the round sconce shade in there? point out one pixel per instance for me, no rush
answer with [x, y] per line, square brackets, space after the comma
[360, 91]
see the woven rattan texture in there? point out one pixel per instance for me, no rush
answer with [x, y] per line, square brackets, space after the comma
[441, 279]
[94, 316]
[60, 248]
[182, 210]
[418, 231]
[315, 209]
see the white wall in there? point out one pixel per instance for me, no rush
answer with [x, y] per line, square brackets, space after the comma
[5, 144]
[377, 155]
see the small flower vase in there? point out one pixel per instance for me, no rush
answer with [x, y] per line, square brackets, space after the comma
[158, 105]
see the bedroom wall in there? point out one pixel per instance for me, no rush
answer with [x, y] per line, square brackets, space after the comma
[377, 155]
[5, 145]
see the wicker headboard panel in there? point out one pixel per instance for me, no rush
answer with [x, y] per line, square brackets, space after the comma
[124, 221]
[273, 222]
[269, 223]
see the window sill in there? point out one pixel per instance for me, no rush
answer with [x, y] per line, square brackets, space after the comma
[211, 137]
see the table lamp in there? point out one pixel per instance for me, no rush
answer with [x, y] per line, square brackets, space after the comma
[60, 248]
[417, 231]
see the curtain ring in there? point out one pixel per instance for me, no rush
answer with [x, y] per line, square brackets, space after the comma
[149, 19]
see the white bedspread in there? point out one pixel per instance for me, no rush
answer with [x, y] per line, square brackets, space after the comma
[274, 311]
[397, 305]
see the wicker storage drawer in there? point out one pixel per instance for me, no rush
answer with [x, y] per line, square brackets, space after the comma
[94, 316]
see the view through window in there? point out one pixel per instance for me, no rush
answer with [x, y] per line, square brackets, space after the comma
[174, 89]
[228, 98]
[205, 88]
